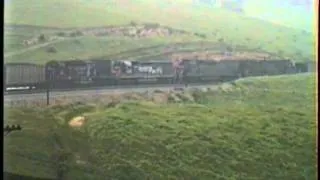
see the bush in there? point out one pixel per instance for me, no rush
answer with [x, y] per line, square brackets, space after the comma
[200, 35]
[52, 50]
[171, 31]
[132, 23]
[76, 33]
[42, 38]
[62, 34]
[151, 25]
[229, 48]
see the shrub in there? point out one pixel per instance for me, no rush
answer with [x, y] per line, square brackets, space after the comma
[151, 25]
[133, 23]
[221, 40]
[200, 35]
[42, 38]
[62, 34]
[76, 33]
[229, 48]
[52, 50]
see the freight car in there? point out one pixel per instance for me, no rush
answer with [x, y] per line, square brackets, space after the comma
[266, 67]
[23, 76]
[219, 70]
[70, 74]
[302, 67]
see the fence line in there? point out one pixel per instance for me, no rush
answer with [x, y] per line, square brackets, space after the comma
[79, 98]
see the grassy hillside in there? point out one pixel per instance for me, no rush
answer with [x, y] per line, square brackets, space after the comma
[284, 12]
[260, 128]
[218, 26]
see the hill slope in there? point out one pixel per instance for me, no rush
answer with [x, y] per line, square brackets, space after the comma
[260, 128]
[298, 14]
[233, 29]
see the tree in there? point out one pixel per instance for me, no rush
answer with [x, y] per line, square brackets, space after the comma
[133, 23]
[221, 40]
[42, 38]
[280, 53]
[151, 25]
[229, 48]
[62, 34]
[76, 33]
[200, 35]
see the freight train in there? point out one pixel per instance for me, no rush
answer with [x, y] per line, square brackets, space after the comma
[91, 73]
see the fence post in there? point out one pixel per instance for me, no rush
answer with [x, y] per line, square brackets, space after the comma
[48, 92]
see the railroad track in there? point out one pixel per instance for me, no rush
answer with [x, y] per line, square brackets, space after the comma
[69, 93]
[40, 95]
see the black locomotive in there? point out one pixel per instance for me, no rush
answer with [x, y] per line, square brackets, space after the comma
[91, 73]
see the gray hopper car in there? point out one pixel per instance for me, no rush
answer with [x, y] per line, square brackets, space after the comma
[23, 75]
[219, 70]
[266, 67]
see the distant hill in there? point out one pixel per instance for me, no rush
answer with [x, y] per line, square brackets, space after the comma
[197, 21]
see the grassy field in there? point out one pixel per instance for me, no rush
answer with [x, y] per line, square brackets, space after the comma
[280, 12]
[258, 128]
[217, 24]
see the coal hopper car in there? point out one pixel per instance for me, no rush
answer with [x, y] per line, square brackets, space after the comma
[266, 67]
[218, 71]
[70, 74]
[23, 76]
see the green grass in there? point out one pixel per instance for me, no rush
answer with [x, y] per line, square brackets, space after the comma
[294, 16]
[233, 28]
[92, 47]
[260, 128]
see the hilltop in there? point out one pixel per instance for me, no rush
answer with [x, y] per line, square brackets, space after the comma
[42, 30]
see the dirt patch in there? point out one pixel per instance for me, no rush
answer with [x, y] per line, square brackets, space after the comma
[145, 30]
[160, 98]
[218, 56]
[140, 31]
[77, 122]
[37, 40]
